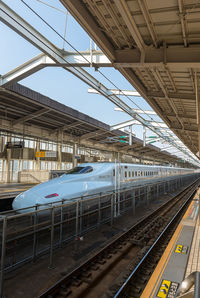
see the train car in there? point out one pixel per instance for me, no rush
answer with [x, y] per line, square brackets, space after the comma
[91, 178]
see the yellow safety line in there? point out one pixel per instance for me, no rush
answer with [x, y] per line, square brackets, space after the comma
[157, 274]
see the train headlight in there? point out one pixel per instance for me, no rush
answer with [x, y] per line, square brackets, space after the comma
[53, 195]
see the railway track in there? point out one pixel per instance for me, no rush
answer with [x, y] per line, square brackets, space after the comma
[129, 259]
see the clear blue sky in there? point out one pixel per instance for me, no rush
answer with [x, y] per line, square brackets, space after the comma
[56, 82]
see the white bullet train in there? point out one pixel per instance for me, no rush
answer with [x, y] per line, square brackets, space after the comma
[92, 178]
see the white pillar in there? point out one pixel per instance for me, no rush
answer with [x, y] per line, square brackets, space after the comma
[59, 149]
[37, 158]
[8, 158]
[75, 149]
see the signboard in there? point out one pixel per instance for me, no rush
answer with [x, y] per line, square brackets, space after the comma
[40, 154]
[181, 249]
[46, 154]
[18, 144]
[167, 289]
[50, 154]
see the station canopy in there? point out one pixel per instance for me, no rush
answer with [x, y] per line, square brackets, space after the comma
[155, 45]
[29, 113]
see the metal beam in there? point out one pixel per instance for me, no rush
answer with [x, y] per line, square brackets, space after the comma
[135, 122]
[191, 117]
[66, 127]
[138, 111]
[112, 11]
[185, 129]
[92, 134]
[84, 18]
[31, 116]
[182, 17]
[118, 92]
[42, 60]
[149, 21]
[173, 56]
[130, 23]
[24, 70]
[175, 95]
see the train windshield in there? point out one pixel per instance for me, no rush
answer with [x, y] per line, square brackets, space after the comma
[80, 170]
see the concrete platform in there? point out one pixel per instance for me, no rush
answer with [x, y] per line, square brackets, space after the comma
[9, 189]
[180, 258]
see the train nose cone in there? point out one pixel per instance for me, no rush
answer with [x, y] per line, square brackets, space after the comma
[24, 201]
[18, 201]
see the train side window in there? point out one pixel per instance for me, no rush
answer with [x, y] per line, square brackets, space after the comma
[136, 174]
[113, 173]
[132, 174]
[80, 170]
[129, 173]
[125, 174]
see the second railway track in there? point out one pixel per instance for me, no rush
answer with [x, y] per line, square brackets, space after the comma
[106, 271]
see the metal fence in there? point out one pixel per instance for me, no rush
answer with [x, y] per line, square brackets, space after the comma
[25, 237]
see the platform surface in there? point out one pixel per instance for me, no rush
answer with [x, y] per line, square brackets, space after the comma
[180, 258]
[194, 258]
[11, 189]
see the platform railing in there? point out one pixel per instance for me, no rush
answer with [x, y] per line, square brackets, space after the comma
[42, 228]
